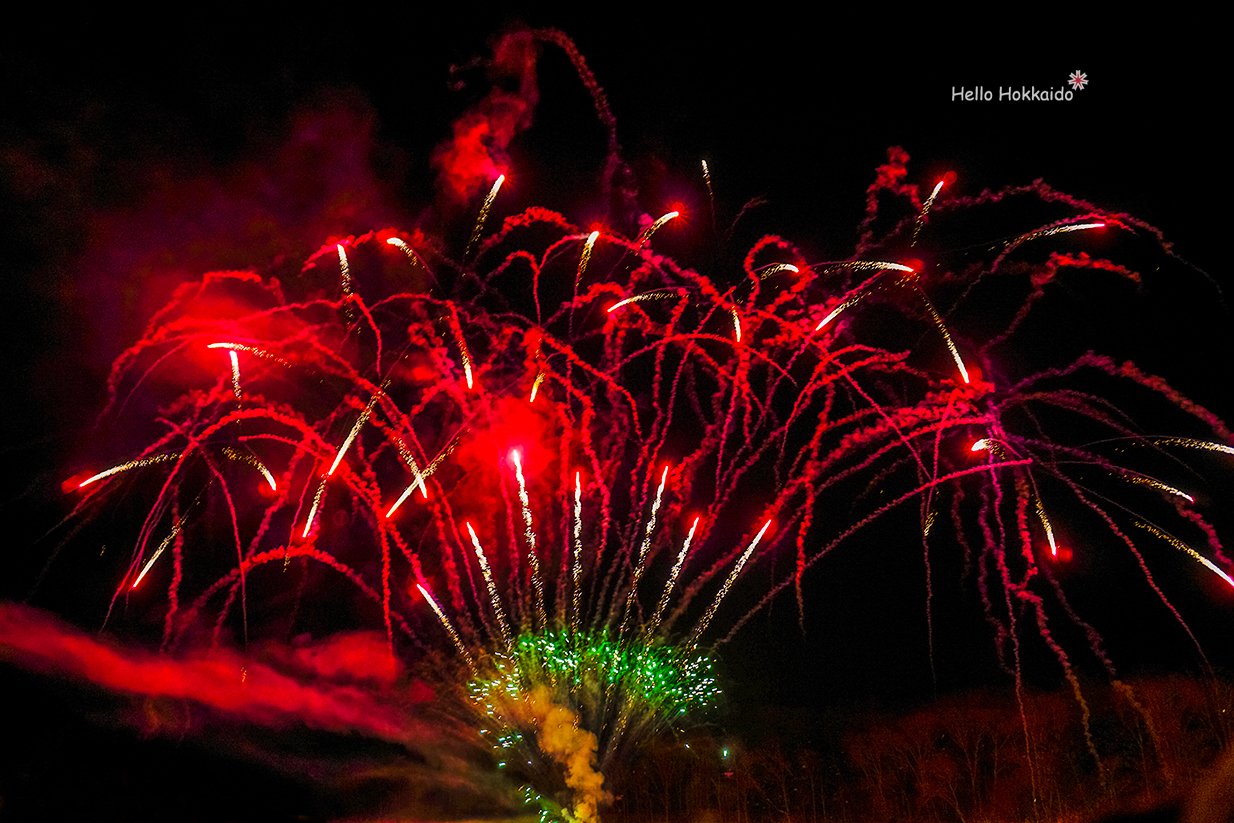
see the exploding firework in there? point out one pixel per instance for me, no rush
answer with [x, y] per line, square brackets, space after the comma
[562, 454]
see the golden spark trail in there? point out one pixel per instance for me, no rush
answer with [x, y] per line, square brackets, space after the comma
[1049, 531]
[235, 372]
[344, 269]
[458, 643]
[166, 542]
[418, 478]
[352, 434]
[585, 258]
[535, 386]
[1154, 483]
[492, 587]
[942, 328]
[1040, 233]
[132, 464]
[993, 446]
[488, 202]
[406, 493]
[857, 265]
[1181, 546]
[1205, 445]
[251, 460]
[715, 604]
[308, 524]
[530, 533]
[250, 349]
[650, 230]
[658, 294]
[577, 568]
[776, 268]
[464, 354]
[925, 208]
[406, 249]
[863, 265]
[847, 304]
[711, 195]
[642, 550]
[672, 579]
[321, 489]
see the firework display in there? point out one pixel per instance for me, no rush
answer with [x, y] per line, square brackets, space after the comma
[555, 461]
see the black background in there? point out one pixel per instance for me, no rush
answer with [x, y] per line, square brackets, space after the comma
[136, 158]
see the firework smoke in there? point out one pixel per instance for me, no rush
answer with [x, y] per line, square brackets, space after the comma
[558, 735]
[710, 407]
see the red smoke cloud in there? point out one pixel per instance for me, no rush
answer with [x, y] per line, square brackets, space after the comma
[476, 154]
[344, 684]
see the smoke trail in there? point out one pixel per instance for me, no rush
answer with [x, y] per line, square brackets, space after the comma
[476, 154]
[269, 705]
[559, 736]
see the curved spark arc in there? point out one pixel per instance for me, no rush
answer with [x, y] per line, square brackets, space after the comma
[131, 464]
[653, 228]
[789, 418]
[1183, 547]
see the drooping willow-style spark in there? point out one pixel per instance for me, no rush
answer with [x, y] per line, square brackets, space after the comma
[778, 399]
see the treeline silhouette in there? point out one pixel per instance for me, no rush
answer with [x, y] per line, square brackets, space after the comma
[965, 758]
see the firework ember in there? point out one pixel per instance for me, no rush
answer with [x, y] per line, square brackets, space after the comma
[617, 452]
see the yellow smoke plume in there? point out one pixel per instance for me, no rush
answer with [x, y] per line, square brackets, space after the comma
[560, 737]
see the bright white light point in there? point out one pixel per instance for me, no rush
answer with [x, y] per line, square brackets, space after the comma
[308, 524]
[829, 318]
[592, 238]
[981, 445]
[406, 493]
[145, 569]
[1219, 572]
[101, 475]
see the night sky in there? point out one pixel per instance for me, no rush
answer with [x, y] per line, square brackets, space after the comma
[132, 162]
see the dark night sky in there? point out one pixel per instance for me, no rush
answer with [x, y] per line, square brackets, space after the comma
[133, 161]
